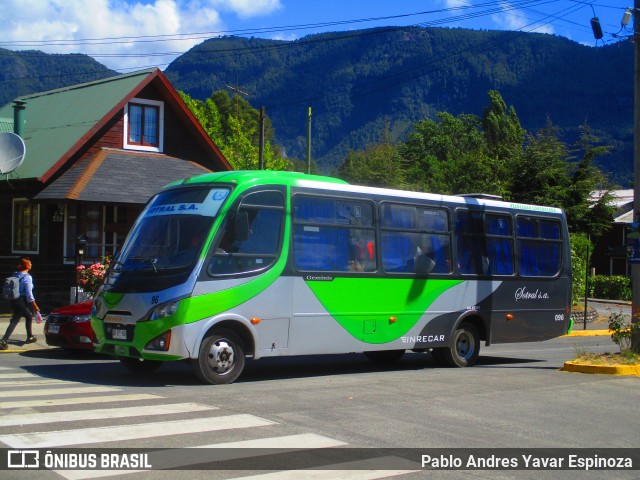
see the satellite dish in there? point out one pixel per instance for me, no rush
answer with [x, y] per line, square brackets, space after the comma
[12, 152]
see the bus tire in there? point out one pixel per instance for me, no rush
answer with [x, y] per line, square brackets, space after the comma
[465, 347]
[221, 358]
[384, 356]
[139, 366]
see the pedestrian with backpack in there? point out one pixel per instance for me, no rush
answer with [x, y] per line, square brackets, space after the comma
[20, 304]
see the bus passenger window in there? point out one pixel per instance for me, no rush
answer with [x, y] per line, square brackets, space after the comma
[333, 234]
[263, 212]
[539, 247]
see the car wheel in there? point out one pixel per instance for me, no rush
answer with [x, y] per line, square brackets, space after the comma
[221, 358]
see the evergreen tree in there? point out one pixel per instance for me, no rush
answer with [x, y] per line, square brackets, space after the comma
[583, 213]
[540, 174]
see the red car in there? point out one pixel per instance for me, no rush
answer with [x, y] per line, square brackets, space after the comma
[70, 327]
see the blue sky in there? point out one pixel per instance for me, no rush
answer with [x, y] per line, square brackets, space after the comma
[128, 35]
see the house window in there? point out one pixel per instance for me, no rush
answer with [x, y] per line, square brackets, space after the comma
[104, 226]
[26, 218]
[144, 125]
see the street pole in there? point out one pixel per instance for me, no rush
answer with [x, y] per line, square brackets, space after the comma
[261, 146]
[309, 139]
[586, 287]
[635, 268]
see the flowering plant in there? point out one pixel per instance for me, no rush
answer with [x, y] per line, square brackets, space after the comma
[90, 278]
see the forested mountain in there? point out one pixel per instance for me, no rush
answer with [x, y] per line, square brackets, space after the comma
[367, 86]
[363, 85]
[32, 71]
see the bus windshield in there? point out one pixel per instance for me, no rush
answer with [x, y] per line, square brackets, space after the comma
[168, 237]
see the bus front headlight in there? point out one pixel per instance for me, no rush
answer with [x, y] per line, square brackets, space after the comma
[164, 310]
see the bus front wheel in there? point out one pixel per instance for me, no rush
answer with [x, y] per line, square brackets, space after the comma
[221, 358]
[464, 349]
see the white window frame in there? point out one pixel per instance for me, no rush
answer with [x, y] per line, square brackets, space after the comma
[13, 225]
[125, 135]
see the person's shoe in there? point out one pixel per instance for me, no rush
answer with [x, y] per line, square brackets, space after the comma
[3, 345]
[31, 340]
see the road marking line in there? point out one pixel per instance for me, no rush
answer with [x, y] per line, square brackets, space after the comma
[18, 375]
[33, 383]
[54, 402]
[62, 391]
[175, 458]
[123, 412]
[121, 433]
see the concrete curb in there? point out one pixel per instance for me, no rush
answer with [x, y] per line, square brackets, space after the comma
[633, 370]
[588, 333]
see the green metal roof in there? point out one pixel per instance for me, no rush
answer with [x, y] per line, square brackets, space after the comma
[6, 125]
[57, 119]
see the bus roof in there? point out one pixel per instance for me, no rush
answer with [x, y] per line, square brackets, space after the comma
[240, 177]
[250, 177]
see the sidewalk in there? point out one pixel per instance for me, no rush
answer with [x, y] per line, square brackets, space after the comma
[19, 335]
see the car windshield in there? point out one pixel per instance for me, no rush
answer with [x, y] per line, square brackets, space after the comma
[172, 230]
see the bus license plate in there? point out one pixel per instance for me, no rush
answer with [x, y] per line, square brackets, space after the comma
[118, 334]
[54, 328]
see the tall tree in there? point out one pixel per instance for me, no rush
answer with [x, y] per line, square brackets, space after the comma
[586, 213]
[449, 156]
[233, 124]
[376, 166]
[540, 174]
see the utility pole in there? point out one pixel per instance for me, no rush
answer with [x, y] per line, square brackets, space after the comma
[635, 268]
[261, 144]
[309, 139]
[237, 92]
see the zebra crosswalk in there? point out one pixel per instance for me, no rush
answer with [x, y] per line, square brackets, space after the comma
[153, 421]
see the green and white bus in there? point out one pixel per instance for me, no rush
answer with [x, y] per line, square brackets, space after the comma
[249, 264]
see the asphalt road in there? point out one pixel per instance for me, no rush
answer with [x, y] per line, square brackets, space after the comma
[516, 397]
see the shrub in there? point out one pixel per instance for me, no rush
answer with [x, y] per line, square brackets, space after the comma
[614, 287]
[622, 331]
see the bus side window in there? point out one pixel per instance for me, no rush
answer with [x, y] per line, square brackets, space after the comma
[333, 234]
[257, 249]
[499, 244]
[539, 247]
[470, 243]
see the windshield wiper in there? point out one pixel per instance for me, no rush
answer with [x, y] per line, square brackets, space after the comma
[151, 260]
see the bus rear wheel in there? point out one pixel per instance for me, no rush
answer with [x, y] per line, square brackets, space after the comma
[384, 356]
[464, 349]
[221, 358]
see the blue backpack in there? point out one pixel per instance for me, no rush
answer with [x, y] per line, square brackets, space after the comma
[11, 288]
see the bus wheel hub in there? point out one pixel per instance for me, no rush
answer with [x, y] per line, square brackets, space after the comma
[221, 356]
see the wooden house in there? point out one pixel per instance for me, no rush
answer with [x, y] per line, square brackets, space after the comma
[95, 153]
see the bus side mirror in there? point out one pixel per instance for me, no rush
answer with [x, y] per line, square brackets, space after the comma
[242, 226]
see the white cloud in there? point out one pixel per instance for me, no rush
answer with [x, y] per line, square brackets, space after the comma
[40, 24]
[514, 19]
[249, 8]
